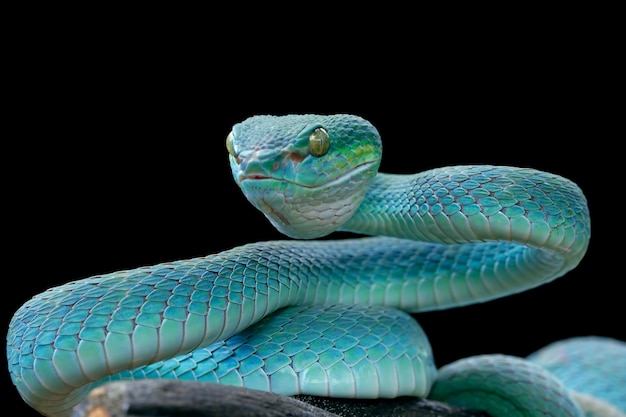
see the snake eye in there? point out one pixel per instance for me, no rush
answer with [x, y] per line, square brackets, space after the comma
[229, 146]
[319, 142]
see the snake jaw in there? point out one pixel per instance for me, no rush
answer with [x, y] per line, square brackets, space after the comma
[305, 211]
[275, 216]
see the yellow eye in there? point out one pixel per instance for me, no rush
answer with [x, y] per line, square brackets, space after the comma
[229, 144]
[319, 142]
[230, 147]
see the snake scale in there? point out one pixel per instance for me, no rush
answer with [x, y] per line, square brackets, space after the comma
[331, 317]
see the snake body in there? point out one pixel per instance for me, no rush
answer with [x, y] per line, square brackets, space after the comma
[319, 317]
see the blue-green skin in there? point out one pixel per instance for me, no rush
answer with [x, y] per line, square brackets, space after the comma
[449, 237]
[592, 367]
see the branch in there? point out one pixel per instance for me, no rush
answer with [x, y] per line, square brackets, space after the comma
[172, 398]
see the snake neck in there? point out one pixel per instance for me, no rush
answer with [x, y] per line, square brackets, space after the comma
[469, 204]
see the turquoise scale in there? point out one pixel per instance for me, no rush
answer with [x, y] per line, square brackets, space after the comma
[301, 350]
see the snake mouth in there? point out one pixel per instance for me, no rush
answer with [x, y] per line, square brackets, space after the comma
[358, 169]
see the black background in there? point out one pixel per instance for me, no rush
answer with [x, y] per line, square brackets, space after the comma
[117, 156]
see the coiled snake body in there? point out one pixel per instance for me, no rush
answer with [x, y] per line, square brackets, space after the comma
[323, 317]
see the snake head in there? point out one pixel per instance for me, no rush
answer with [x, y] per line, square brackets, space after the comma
[307, 173]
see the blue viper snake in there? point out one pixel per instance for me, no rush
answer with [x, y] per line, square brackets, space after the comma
[331, 317]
